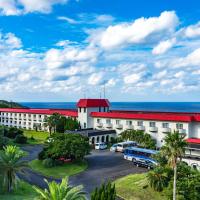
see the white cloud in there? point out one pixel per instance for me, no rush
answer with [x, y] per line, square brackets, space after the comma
[18, 7]
[136, 32]
[133, 78]
[192, 31]
[67, 19]
[95, 79]
[163, 46]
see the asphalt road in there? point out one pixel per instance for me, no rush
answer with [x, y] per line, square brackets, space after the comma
[102, 166]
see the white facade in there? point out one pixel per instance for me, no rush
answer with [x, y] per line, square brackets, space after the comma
[157, 129]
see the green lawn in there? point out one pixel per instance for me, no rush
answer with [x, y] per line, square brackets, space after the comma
[39, 136]
[24, 191]
[135, 187]
[67, 169]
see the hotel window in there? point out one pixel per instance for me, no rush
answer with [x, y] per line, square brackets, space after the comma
[80, 110]
[179, 126]
[84, 125]
[84, 110]
[108, 121]
[140, 123]
[129, 123]
[104, 109]
[152, 124]
[165, 125]
[99, 109]
[98, 120]
[117, 122]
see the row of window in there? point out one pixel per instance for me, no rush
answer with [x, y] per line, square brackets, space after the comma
[140, 123]
[19, 114]
[101, 109]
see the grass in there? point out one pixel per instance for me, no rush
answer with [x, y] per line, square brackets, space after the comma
[39, 136]
[67, 169]
[135, 187]
[24, 191]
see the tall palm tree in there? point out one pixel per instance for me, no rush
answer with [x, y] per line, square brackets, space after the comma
[49, 122]
[60, 191]
[174, 149]
[11, 164]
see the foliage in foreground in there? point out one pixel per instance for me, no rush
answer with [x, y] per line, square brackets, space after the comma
[60, 191]
[10, 165]
[143, 139]
[105, 192]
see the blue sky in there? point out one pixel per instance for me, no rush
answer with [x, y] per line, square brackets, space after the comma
[62, 50]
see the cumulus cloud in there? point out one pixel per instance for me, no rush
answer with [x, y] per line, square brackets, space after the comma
[18, 7]
[163, 46]
[137, 32]
[192, 31]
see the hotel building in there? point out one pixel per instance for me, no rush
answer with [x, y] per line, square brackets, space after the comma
[96, 114]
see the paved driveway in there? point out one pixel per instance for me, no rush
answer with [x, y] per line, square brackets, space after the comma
[102, 166]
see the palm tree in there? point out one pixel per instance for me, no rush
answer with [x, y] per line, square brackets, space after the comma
[11, 164]
[60, 191]
[49, 122]
[174, 149]
[158, 178]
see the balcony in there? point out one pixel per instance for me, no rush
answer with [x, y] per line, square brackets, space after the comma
[166, 130]
[109, 125]
[119, 126]
[181, 131]
[129, 127]
[153, 129]
[99, 124]
[140, 128]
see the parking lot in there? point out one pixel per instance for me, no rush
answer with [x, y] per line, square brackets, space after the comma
[104, 165]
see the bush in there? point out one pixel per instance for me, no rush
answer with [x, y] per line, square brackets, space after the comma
[3, 141]
[12, 132]
[20, 139]
[105, 192]
[48, 162]
[42, 155]
[58, 162]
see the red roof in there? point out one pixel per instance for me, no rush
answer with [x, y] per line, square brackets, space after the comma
[71, 113]
[93, 103]
[193, 140]
[144, 116]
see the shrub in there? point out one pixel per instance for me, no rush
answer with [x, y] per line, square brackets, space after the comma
[48, 162]
[20, 139]
[58, 162]
[13, 132]
[3, 141]
[42, 155]
[105, 192]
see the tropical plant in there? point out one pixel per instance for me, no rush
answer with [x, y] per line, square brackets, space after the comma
[72, 124]
[49, 122]
[158, 178]
[174, 149]
[60, 191]
[105, 192]
[143, 139]
[10, 165]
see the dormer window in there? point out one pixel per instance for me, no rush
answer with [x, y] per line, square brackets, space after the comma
[99, 109]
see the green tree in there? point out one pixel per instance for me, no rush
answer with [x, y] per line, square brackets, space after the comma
[60, 191]
[49, 122]
[10, 165]
[174, 149]
[72, 124]
[67, 145]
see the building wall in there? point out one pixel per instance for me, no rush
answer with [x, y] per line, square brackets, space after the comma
[158, 135]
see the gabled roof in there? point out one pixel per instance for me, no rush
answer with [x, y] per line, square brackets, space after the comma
[93, 103]
[144, 116]
[70, 113]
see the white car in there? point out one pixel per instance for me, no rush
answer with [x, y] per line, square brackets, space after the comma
[100, 146]
[113, 147]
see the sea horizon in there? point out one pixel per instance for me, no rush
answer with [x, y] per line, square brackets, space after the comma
[137, 106]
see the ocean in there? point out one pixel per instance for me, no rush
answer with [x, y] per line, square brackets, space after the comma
[139, 106]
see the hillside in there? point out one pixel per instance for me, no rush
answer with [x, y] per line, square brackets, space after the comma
[6, 104]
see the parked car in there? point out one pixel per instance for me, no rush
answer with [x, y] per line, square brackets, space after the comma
[120, 147]
[144, 163]
[100, 146]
